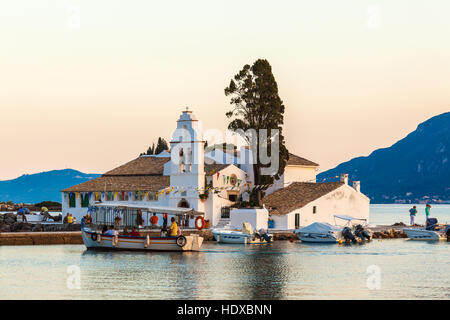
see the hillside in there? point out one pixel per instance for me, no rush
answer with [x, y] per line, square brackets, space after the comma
[414, 168]
[33, 188]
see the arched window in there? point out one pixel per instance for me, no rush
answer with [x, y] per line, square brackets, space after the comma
[181, 165]
[188, 159]
[183, 204]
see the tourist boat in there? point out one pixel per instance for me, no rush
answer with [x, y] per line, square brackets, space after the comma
[321, 232]
[107, 215]
[433, 231]
[244, 236]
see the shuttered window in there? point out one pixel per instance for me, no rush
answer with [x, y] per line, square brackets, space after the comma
[72, 200]
[85, 200]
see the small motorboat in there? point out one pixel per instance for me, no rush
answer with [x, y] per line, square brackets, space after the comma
[319, 232]
[131, 217]
[322, 232]
[244, 236]
[39, 218]
[432, 232]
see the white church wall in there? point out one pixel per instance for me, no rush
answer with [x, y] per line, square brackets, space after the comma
[258, 218]
[293, 174]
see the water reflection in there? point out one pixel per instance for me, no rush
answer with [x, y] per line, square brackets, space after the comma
[282, 270]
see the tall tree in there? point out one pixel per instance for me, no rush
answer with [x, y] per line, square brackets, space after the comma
[256, 105]
[160, 147]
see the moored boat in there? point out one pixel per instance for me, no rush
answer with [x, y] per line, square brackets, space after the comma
[93, 239]
[244, 236]
[321, 232]
[432, 232]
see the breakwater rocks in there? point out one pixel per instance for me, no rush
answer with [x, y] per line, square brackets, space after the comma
[9, 223]
[394, 231]
[389, 234]
[40, 238]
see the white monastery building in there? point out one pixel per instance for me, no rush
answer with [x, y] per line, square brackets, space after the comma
[211, 183]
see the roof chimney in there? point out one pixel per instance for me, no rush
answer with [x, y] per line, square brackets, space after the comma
[357, 185]
[344, 178]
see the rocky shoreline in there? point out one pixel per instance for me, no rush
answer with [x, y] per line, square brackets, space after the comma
[9, 223]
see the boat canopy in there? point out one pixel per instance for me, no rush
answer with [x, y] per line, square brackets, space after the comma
[348, 218]
[149, 208]
[319, 227]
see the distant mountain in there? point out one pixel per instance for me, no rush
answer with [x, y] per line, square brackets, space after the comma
[33, 188]
[415, 168]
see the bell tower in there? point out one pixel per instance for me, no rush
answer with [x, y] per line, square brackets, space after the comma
[187, 160]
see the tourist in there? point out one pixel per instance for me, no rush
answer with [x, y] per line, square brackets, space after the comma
[66, 218]
[69, 218]
[154, 220]
[117, 221]
[412, 214]
[87, 218]
[44, 212]
[173, 229]
[139, 219]
[134, 232]
[111, 231]
[125, 232]
[104, 229]
[164, 226]
[21, 212]
[427, 213]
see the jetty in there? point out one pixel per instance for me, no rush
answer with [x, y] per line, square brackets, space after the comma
[52, 237]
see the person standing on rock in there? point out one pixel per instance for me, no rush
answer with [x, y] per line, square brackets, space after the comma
[412, 214]
[427, 213]
[21, 212]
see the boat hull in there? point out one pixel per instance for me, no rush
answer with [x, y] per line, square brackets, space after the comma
[422, 234]
[36, 218]
[104, 242]
[236, 238]
[317, 237]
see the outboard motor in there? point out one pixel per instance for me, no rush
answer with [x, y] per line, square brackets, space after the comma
[447, 232]
[348, 235]
[431, 224]
[262, 234]
[361, 233]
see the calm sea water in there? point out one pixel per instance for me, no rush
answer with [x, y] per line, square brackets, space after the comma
[282, 270]
[387, 214]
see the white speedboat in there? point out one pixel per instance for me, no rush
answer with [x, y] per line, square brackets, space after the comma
[105, 215]
[433, 232]
[319, 232]
[244, 236]
[37, 218]
[322, 232]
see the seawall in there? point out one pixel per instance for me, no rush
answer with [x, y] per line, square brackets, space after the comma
[40, 238]
[74, 237]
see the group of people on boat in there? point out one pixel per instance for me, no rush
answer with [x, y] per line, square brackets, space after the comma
[172, 231]
[413, 213]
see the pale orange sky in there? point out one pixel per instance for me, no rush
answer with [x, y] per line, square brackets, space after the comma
[354, 75]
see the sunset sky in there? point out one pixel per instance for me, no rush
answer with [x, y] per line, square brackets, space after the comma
[90, 84]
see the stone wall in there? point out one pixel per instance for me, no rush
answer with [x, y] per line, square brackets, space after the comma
[40, 238]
